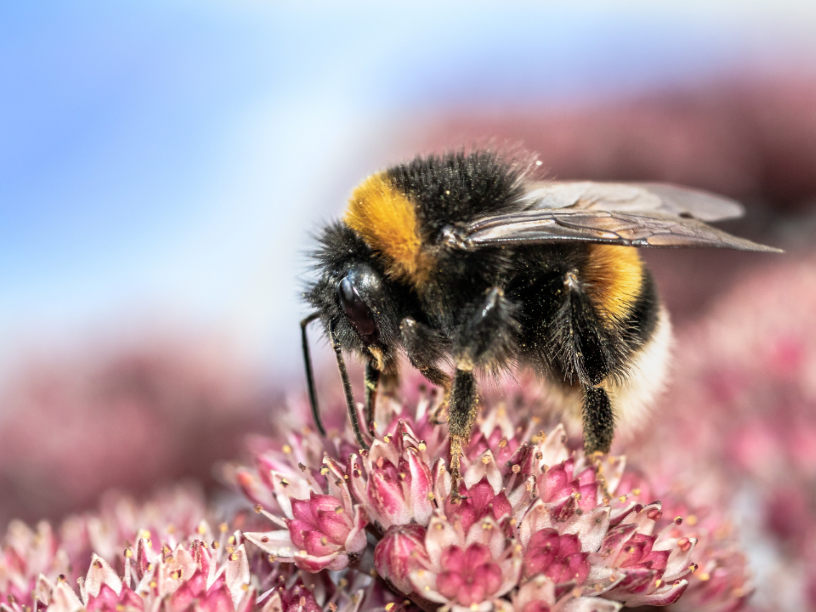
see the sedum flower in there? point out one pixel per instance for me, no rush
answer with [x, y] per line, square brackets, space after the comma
[393, 479]
[538, 525]
[324, 530]
[539, 595]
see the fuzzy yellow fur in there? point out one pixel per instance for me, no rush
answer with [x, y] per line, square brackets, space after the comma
[613, 277]
[386, 219]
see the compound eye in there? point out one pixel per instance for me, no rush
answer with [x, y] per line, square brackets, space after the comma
[356, 311]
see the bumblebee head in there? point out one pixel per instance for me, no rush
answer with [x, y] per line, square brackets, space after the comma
[358, 304]
[358, 292]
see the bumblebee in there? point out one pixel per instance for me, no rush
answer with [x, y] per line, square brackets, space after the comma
[464, 259]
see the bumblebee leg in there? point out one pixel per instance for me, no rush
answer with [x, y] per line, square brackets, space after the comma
[380, 380]
[307, 361]
[372, 380]
[487, 338]
[599, 429]
[461, 416]
[598, 421]
[352, 409]
[425, 347]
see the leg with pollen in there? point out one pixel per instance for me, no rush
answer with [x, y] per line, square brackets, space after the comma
[486, 339]
[461, 416]
[372, 380]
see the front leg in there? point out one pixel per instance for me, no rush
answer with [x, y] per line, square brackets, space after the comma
[425, 347]
[378, 376]
[372, 380]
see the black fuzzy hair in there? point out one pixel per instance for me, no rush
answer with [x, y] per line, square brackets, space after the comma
[460, 186]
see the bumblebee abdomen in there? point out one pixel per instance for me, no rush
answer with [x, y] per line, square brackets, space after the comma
[613, 278]
[587, 310]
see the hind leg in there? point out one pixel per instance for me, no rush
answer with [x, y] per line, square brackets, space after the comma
[598, 421]
[583, 350]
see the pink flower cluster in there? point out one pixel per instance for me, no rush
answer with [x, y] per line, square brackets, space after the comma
[539, 526]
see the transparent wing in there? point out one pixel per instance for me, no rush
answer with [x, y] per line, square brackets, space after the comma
[632, 198]
[642, 215]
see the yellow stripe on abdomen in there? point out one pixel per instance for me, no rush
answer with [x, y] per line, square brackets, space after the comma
[613, 276]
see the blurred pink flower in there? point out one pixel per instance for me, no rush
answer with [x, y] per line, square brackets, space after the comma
[740, 422]
[129, 416]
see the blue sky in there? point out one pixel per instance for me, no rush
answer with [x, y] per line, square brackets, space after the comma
[164, 161]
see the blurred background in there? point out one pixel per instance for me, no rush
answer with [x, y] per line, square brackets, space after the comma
[163, 163]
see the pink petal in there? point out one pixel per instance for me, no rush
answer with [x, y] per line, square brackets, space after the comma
[559, 571]
[656, 559]
[323, 503]
[217, 599]
[297, 532]
[356, 540]
[475, 555]
[106, 599]
[551, 484]
[481, 494]
[579, 567]
[335, 524]
[399, 552]
[501, 506]
[590, 527]
[679, 561]
[449, 583]
[589, 496]
[237, 573]
[302, 511]
[100, 573]
[453, 559]
[420, 488]
[662, 597]
[490, 576]
[189, 591]
[319, 545]
[439, 536]
[589, 604]
[471, 593]
[568, 545]
[463, 511]
[387, 501]
[541, 551]
[314, 564]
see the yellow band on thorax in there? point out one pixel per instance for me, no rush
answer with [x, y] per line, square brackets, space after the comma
[386, 219]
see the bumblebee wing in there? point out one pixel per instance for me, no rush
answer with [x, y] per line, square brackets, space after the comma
[635, 198]
[642, 215]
